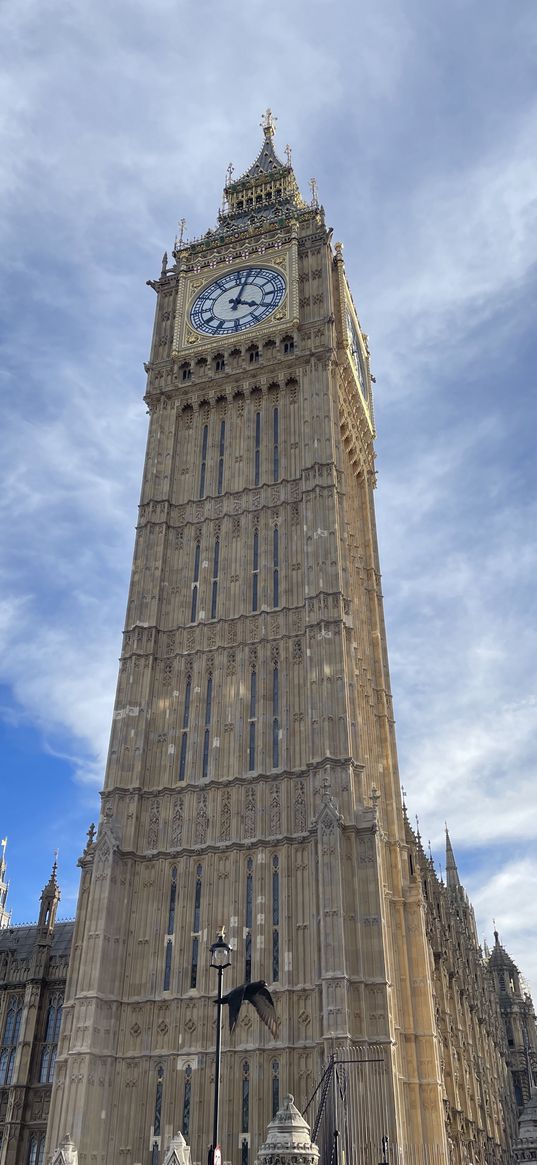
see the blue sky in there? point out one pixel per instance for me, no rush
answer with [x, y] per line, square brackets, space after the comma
[419, 122]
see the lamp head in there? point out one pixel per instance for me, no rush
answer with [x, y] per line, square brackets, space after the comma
[221, 952]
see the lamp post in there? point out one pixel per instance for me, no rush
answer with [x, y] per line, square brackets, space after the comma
[220, 959]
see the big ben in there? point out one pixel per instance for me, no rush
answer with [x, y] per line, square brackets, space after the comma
[252, 775]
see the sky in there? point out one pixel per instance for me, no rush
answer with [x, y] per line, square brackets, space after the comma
[419, 121]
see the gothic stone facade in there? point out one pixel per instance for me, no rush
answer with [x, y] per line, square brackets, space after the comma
[33, 972]
[252, 775]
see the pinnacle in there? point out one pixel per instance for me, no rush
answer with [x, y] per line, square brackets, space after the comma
[452, 873]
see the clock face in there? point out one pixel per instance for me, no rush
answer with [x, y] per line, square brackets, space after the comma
[237, 300]
[356, 354]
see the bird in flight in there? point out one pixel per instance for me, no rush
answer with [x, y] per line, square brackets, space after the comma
[259, 996]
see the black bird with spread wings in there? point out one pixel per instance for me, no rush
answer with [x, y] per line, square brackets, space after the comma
[259, 996]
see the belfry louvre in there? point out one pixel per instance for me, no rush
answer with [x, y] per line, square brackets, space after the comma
[252, 777]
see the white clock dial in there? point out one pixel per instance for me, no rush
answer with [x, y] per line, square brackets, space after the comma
[237, 300]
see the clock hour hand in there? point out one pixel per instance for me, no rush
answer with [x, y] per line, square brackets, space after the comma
[238, 302]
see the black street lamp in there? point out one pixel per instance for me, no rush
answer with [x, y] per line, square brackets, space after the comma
[220, 959]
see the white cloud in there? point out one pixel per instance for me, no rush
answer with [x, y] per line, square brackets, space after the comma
[114, 128]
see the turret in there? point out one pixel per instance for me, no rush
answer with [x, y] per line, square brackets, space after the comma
[518, 1016]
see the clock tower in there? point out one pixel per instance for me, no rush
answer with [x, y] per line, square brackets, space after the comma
[252, 776]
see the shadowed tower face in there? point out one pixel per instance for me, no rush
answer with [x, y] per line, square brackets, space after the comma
[252, 777]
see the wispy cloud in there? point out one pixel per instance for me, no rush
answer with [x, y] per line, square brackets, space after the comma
[114, 126]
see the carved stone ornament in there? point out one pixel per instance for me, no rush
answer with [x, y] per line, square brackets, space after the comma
[66, 1153]
[154, 824]
[178, 1152]
[288, 1138]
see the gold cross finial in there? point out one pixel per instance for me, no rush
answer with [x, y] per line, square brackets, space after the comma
[267, 124]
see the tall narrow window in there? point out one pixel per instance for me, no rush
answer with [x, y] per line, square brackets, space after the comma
[36, 1151]
[255, 571]
[10, 1039]
[214, 588]
[275, 1086]
[157, 1119]
[276, 445]
[288, 345]
[257, 461]
[196, 929]
[195, 583]
[203, 466]
[221, 456]
[170, 930]
[206, 733]
[245, 1096]
[248, 915]
[167, 965]
[254, 354]
[186, 1102]
[52, 1035]
[252, 718]
[275, 719]
[275, 919]
[184, 734]
[276, 567]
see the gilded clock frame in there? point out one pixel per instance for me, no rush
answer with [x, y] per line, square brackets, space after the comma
[283, 259]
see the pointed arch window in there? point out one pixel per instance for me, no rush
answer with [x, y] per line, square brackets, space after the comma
[221, 448]
[203, 466]
[245, 1107]
[195, 583]
[275, 718]
[187, 1095]
[276, 567]
[36, 1152]
[255, 571]
[170, 930]
[184, 733]
[275, 1087]
[276, 442]
[275, 918]
[206, 731]
[252, 720]
[257, 449]
[52, 1035]
[248, 918]
[196, 928]
[157, 1117]
[214, 586]
[10, 1039]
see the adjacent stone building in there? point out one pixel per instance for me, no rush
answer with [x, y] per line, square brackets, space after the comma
[33, 972]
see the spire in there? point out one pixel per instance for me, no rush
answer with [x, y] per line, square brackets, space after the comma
[452, 874]
[267, 190]
[5, 914]
[49, 899]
